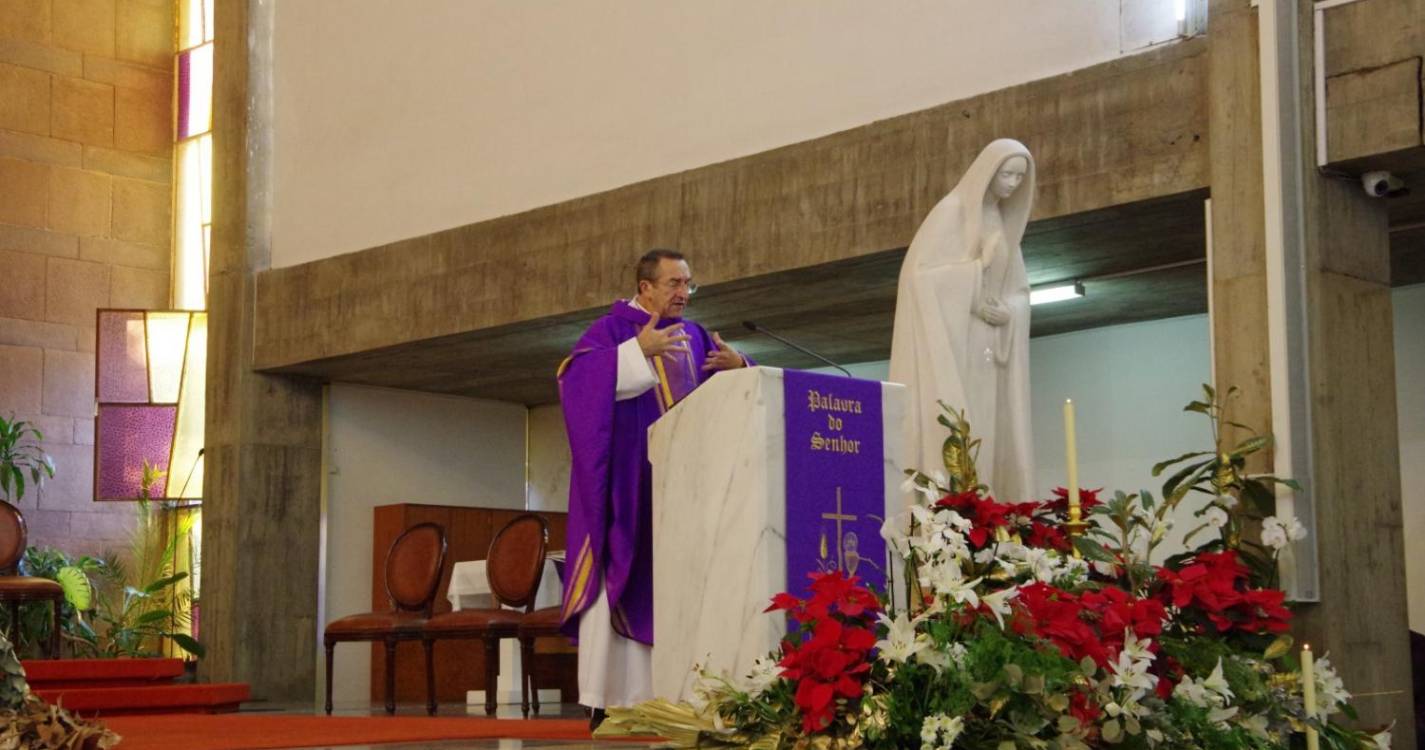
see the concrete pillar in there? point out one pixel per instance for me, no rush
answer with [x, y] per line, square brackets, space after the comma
[261, 490]
[1340, 292]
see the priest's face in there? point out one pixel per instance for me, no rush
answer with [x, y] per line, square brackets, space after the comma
[668, 295]
[1010, 174]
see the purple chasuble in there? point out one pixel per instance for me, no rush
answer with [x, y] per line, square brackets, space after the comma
[610, 485]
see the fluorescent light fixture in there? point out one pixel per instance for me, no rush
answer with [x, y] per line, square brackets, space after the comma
[1056, 293]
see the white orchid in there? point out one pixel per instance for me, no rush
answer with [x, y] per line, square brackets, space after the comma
[1382, 739]
[1215, 517]
[1276, 532]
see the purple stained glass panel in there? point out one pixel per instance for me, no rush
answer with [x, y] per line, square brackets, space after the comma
[185, 89]
[123, 362]
[127, 436]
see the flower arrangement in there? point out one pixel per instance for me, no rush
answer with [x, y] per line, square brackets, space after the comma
[1012, 633]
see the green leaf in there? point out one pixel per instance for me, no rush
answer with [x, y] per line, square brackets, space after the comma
[165, 582]
[1159, 466]
[77, 589]
[153, 616]
[1199, 407]
[1279, 648]
[1252, 444]
[1259, 497]
[1181, 475]
[1187, 538]
[1093, 550]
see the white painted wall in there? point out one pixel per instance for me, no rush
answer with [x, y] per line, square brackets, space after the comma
[396, 118]
[388, 446]
[1410, 405]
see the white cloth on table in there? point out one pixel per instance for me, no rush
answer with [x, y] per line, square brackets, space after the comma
[614, 670]
[470, 586]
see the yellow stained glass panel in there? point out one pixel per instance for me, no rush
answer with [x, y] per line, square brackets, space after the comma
[193, 204]
[167, 342]
[185, 470]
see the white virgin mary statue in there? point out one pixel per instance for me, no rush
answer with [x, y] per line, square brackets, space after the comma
[962, 322]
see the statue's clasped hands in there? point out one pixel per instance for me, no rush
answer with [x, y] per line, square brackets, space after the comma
[992, 311]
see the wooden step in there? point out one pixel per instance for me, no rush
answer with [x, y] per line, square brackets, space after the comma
[202, 698]
[45, 674]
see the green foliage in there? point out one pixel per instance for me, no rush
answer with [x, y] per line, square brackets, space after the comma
[21, 456]
[141, 603]
[73, 575]
[1221, 475]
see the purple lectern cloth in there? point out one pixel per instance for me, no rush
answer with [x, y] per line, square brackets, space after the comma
[610, 483]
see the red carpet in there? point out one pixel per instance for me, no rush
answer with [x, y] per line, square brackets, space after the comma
[254, 731]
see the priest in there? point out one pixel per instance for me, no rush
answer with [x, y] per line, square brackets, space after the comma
[629, 367]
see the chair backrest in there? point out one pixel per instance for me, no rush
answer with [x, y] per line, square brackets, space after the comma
[414, 565]
[13, 537]
[516, 561]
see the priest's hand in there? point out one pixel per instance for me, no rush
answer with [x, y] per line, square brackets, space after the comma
[657, 343]
[993, 311]
[724, 357]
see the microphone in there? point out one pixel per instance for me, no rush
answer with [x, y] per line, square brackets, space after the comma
[753, 327]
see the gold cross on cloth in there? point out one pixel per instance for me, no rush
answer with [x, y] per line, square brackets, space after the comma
[838, 517]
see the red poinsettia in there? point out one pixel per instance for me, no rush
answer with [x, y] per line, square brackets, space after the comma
[986, 514]
[1214, 587]
[1060, 504]
[832, 663]
[1091, 624]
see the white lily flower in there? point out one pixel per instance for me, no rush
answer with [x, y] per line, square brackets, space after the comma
[1217, 683]
[1192, 692]
[1221, 714]
[765, 672]
[1255, 723]
[901, 642]
[1382, 739]
[998, 602]
[933, 657]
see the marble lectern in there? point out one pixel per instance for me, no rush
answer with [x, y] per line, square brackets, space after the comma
[719, 529]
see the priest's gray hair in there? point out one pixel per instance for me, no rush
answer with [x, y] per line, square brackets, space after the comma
[647, 269]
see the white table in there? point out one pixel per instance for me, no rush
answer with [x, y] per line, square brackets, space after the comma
[470, 589]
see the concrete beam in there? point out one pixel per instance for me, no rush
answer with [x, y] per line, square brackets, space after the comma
[1129, 130]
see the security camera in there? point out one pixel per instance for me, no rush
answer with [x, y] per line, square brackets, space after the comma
[1380, 183]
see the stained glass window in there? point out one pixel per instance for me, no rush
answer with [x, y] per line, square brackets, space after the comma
[193, 184]
[149, 378]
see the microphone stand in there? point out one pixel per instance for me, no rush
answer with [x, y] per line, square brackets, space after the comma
[751, 326]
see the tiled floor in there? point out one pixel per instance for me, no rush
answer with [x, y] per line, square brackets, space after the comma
[558, 711]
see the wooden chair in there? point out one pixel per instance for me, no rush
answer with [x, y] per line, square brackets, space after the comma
[513, 567]
[413, 569]
[17, 589]
[541, 623]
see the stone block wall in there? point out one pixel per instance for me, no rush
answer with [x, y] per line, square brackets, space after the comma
[86, 158]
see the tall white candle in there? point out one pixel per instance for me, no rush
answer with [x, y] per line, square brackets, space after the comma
[1072, 448]
[1308, 694]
